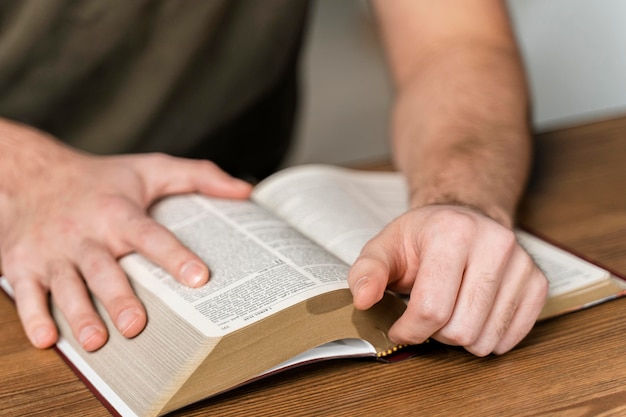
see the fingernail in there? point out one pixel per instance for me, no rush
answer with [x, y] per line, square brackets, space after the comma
[41, 337]
[126, 320]
[360, 284]
[87, 334]
[193, 273]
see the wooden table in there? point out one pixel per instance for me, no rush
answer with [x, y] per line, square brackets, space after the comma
[574, 365]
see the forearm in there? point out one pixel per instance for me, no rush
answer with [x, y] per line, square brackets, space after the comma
[460, 130]
[460, 123]
[461, 136]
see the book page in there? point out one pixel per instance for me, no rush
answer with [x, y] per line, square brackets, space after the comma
[259, 265]
[344, 348]
[565, 271]
[342, 209]
[339, 208]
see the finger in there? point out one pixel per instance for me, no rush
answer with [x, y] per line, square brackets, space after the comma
[31, 300]
[504, 324]
[434, 292]
[71, 297]
[161, 246]
[187, 176]
[481, 282]
[525, 315]
[110, 286]
[375, 268]
[368, 279]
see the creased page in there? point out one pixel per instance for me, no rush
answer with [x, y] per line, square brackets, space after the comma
[339, 208]
[258, 263]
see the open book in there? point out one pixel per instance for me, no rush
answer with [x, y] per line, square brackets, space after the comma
[278, 294]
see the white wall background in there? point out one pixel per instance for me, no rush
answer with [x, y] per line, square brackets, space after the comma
[574, 51]
[575, 54]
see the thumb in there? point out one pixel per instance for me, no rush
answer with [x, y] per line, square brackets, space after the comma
[172, 175]
[368, 279]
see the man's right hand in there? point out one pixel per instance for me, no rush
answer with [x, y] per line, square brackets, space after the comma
[66, 218]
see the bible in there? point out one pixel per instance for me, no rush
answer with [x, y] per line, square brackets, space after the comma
[278, 295]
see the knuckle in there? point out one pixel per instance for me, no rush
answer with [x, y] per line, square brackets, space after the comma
[504, 323]
[545, 287]
[366, 263]
[115, 296]
[541, 288]
[480, 349]
[57, 273]
[409, 332]
[506, 240]
[498, 350]
[430, 313]
[77, 310]
[459, 337]
[13, 261]
[410, 338]
[106, 283]
[456, 220]
[124, 301]
[144, 231]
[457, 228]
[482, 295]
[57, 268]
[206, 164]
[509, 239]
[158, 158]
[92, 262]
[113, 206]
[542, 282]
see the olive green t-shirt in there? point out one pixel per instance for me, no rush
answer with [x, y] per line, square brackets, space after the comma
[198, 78]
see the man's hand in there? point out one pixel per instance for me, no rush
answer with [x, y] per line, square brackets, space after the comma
[66, 217]
[470, 283]
[461, 137]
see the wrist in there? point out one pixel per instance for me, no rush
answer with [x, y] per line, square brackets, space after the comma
[493, 211]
